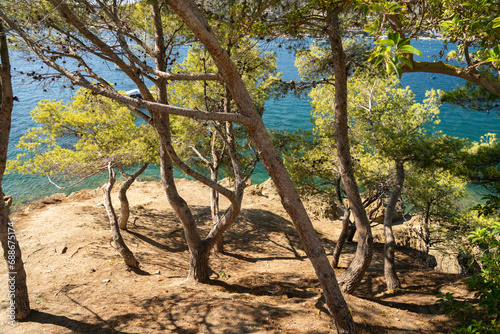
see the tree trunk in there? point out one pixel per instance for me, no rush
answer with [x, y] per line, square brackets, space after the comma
[219, 242]
[198, 265]
[194, 19]
[351, 233]
[214, 204]
[351, 278]
[122, 196]
[120, 245]
[391, 278]
[199, 268]
[124, 206]
[214, 194]
[19, 306]
[346, 227]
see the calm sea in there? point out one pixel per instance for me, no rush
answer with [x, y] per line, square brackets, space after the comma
[288, 113]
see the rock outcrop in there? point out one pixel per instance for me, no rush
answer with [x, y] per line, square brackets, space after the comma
[440, 255]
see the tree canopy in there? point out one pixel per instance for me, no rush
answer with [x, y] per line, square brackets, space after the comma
[81, 138]
[143, 39]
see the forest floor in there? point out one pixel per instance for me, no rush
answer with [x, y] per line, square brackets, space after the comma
[264, 283]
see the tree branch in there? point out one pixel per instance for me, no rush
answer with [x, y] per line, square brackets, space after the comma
[77, 182]
[467, 73]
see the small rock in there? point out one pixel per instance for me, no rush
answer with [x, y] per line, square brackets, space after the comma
[64, 250]
[157, 272]
[106, 281]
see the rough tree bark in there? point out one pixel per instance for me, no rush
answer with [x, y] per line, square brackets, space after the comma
[248, 116]
[199, 248]
[122, 196]
[391, 278]
[19, 307]
[125, 252]
[351, 278]
[194, 19]
[199, 269]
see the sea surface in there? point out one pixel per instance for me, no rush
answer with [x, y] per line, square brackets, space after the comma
[288, 113]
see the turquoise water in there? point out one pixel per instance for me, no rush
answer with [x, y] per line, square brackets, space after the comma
[288, 113]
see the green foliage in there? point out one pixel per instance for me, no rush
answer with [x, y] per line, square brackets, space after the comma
[471, 25]
[315, 62]
[223, 275]
[387, 118]
[457, 228]
[482, 166]
[394, 50]
[258, 70]
[311, 167]
[386, 125]
[472, 97]
[482, 317]
[80, 138]
[491, 206]
[137, 16]
[474, 23]
[494, 56]
[435, 192]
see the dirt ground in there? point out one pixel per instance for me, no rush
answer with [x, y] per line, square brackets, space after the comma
[264, 283]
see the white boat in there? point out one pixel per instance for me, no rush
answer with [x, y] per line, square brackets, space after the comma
[135, 93]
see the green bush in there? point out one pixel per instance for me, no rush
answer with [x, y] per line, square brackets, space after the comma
[483, 316]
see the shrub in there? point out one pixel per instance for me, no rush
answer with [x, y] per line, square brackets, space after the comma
[484, 315]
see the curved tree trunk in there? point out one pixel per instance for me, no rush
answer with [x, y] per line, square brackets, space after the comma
[194, 19]
[120, 245]
[214, 195]
[199, 249]
[199, 269]
[19, 307]
[219, 243]
[346, 227]
[122, 196]
[351, 233]
[214, 204]
[391, 278]
[352, 277]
